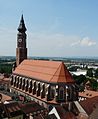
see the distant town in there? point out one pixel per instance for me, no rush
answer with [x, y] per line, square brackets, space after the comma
[83, 70]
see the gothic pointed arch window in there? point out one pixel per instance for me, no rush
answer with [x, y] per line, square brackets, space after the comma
[66, 92]
[61, 93]
[11, 79]
[30, 86]
[38, 89]
[34, 87]
[14, 81]
[70, 93]
[17, 82]
[43, 91]
[20, 82]
[23, 83]
[26, 85]
[48, 92]
[52, 93]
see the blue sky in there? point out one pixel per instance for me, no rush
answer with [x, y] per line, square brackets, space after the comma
[54, 27]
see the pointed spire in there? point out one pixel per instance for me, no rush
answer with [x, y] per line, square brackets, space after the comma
[22, 27]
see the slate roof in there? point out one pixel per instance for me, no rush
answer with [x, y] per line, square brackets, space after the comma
[48, 71]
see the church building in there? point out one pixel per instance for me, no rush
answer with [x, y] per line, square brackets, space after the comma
[45, 82]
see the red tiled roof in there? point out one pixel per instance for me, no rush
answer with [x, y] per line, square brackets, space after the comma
[88, 94]
[12, 107]
[49, 71]
[70, 115]
[31, 107]
[65, 114]
[4, 81]
[5, 97]
[89, 104]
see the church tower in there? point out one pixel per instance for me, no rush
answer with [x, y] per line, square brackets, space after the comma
[21, 50]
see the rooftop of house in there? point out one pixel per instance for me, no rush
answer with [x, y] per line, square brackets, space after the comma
[47, 71]
[88, 94]
[51, 116]
[61, 113]
[4, 79]
[10, 109]
[90, 104]
[31, 107]
[94, 114]
[5, 97]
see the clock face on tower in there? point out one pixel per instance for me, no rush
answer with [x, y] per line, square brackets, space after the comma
[20, 40]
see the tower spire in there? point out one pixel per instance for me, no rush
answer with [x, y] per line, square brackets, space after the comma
[21, 50]
[22, 27]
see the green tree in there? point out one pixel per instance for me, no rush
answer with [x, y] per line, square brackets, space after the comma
[79, 79]
[94, 84]
[96, 73]
[90, 72]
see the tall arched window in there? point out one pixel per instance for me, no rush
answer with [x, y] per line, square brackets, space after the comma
[43, 91]
[34, 87]
[11, 80]
[52, 92]
[17, 82]
[20, 82]
[38, 89]
[26, 85]
[30, 86]
[23, 83]
[66, 92]
[48, 93]
[61, 93]
[14, 81]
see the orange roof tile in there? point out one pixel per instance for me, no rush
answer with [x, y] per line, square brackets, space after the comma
[49, 71]
[89, 105]
[31, 107]
[4, 81]
[5, 97]
[88, 94]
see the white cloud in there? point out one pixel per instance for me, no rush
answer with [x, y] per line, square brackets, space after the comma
[75, 43]
[50, 44]
[86, 41]
[47, 44]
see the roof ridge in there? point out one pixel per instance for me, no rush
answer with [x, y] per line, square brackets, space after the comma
[41, 66]
[62, 64]
[67, 74]
[55, 72]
